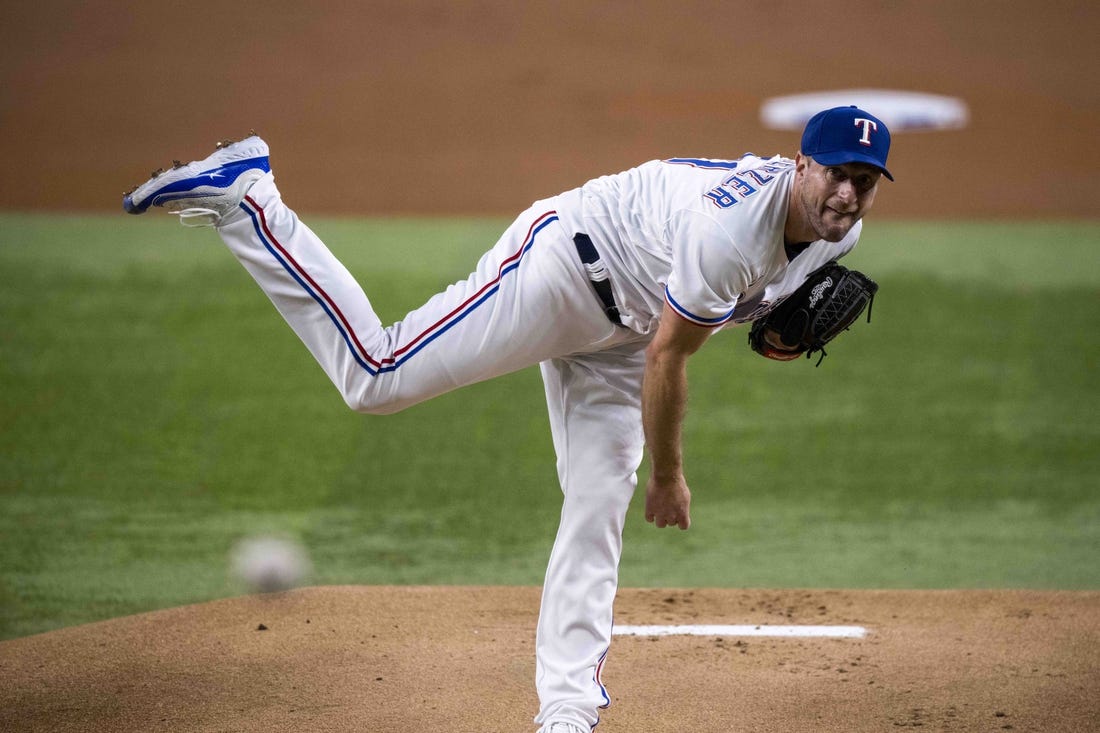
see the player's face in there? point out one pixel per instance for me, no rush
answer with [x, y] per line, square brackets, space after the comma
[835, 197]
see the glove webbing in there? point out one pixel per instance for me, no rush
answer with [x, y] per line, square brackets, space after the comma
[835, 313]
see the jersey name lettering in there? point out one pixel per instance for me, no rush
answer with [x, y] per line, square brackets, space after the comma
[742, 185]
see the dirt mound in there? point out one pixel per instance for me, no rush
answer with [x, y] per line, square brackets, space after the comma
[446, 659]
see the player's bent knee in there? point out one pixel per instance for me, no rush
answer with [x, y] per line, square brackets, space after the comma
[364, 407]
[367, 402]
[610, 497]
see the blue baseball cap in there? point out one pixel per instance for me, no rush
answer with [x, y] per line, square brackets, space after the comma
[847, 135]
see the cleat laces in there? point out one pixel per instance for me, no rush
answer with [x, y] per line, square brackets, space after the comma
[198, 217]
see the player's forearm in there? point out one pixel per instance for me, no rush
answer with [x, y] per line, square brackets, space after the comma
[665, 393]
[664, 403]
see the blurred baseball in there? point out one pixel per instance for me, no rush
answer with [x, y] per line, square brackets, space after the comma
[269, 564]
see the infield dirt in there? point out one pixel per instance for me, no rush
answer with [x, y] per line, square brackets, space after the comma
[427, 659]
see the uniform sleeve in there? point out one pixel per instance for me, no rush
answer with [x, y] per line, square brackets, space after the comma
[708, 272]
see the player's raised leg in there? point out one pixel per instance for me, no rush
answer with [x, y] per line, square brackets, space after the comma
[527, 300]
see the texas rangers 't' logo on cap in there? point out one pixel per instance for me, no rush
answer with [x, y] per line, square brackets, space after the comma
[868, 126]
[847, 135]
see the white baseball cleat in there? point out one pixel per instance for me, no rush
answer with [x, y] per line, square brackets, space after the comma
[562, 728]
[204, 191]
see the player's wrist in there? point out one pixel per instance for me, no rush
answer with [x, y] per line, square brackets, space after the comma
[666, 474]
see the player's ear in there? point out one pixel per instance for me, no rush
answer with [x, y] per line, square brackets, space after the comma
[801, 162]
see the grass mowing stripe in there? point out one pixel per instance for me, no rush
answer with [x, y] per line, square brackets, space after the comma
[156, 409]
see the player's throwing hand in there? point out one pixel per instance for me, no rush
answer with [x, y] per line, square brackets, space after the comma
[668, 503]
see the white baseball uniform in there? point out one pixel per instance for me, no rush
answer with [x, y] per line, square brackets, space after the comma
[705, 236]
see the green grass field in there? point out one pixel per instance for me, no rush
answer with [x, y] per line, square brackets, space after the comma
[156, 409]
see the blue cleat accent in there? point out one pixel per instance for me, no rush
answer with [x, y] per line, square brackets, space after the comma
[205, 190]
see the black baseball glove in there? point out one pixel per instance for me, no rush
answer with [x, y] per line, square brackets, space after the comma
[828, 302]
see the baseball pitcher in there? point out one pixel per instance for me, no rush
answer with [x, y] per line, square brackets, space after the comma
[638, 269]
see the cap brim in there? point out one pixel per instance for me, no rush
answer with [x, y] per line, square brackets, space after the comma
[843, 157]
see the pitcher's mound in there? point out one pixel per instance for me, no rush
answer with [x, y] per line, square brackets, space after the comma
[461, 660]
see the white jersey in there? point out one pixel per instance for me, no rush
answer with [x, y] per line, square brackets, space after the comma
[705, 236]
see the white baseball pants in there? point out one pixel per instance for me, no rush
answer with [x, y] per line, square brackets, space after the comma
[528, 302]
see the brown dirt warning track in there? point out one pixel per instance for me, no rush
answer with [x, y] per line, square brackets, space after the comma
[483, 106]
[461, 659]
